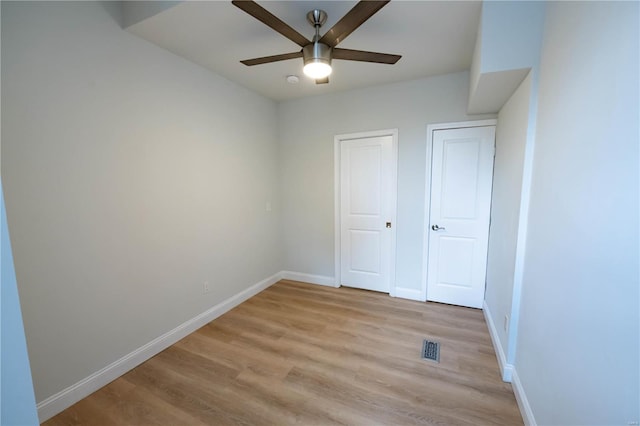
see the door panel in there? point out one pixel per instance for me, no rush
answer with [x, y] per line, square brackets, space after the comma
[456, 274]
[461, 178]
[365, 207]
[364, 177]
[365, 251]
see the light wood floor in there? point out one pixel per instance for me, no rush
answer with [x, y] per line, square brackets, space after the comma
[311, 355]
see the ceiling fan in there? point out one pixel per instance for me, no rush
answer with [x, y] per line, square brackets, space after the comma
[318, 53]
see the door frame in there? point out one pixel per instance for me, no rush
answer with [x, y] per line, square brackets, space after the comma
[337, 141]
[427, 189]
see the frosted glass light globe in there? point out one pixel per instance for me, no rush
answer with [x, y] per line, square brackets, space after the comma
[317, 70]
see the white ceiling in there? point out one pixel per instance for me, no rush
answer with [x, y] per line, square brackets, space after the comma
[433, 37]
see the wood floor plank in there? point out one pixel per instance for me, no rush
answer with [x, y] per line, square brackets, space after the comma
[301, 354]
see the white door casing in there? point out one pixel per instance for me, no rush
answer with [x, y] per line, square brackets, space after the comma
[459, 213]
[366, 165]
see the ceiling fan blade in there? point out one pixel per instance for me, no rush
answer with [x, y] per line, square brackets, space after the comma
[267, 18]
[352, 20]
[274, 58]
[363, 56]
[322, 80]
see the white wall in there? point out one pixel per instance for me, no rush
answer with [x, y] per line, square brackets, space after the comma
[507, 46]
[307, 128]
[510, 34]
[131, 176]
[578, 347]
[511, 139]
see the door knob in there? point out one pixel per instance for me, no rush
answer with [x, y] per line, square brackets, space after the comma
[437, 228]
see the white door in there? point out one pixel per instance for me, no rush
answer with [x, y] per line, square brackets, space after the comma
[461, 178]
[367, 209]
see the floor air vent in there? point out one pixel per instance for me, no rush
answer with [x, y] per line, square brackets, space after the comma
[431, 350]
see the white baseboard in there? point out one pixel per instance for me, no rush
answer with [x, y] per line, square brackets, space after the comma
[309, 278]
[74, 393]
[505, 368]
[509, 373]
[408, 293]
[523, 402]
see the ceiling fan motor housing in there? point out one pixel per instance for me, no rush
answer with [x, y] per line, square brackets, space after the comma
[316, 52]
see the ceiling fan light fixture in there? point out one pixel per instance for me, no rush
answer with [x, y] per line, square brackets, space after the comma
[317, 70]
[317, 60]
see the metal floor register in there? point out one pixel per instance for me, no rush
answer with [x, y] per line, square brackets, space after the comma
[431, 350]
